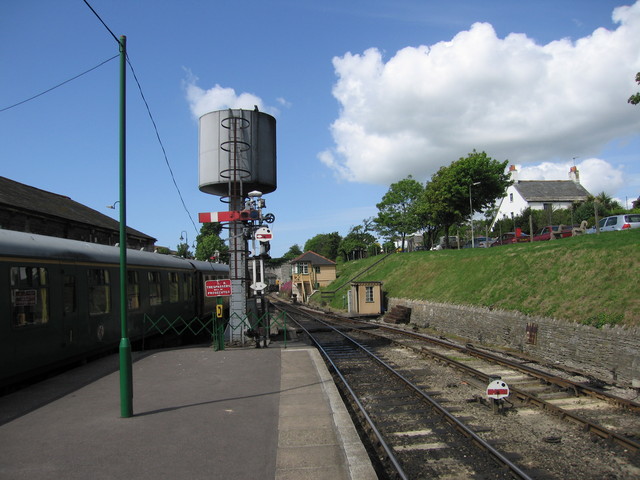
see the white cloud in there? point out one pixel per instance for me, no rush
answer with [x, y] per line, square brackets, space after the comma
[596, 175]
[429, 105]
[219, 98]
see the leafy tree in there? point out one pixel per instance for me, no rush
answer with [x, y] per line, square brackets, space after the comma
[357, 243]
[608, 203]
[209, 245]
[635, 98]
[446, 198]
[325, 244]
[183, 250]
[293, 252]
[397, 215]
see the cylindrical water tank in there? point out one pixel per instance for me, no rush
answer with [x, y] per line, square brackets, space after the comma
[237, 146]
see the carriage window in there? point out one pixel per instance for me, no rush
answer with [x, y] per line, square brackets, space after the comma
[133, 291]
[174, 287]
[69, 293]
[155, 288]
[99, 291]
[29, 296]
[187, 286]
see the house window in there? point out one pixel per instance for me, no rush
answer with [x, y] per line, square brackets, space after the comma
[316, 269]
[303, 268]
[368, 294]
[511, 197]
[546, 207]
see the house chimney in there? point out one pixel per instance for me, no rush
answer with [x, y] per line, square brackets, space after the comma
[514, 173]
[574, 175]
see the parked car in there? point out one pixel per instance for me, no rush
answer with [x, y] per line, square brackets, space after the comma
[454, 242]
[558, 231]
[510, 237]
[480, 242]
[617, 222]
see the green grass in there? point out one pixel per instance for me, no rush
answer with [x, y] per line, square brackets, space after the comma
[592, 279]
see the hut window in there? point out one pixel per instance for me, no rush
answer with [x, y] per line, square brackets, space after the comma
[368, 294]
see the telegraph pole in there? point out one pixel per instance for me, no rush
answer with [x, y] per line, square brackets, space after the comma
[126, 376]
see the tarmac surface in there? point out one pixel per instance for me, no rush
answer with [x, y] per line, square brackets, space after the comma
[239, 413]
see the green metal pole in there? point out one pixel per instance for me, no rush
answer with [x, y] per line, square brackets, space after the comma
[126, 376]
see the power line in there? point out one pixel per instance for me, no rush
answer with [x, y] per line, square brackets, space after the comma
[59, 85]
[164, 152]
[102, 21]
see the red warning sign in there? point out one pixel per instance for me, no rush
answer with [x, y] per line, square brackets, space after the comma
[217, 288]
[497, 389]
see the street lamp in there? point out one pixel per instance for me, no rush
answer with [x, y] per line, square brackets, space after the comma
[113, 207]
[184, 241]
[473, 245]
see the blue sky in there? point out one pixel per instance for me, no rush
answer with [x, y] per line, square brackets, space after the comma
[364, 94]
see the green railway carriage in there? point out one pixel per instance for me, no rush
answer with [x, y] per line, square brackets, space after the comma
[60, 299]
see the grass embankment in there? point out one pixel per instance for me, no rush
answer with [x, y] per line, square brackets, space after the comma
[592, 279]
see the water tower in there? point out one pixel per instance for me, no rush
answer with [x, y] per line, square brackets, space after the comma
[237, 156]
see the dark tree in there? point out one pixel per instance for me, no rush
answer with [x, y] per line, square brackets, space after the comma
[325, 244]
[209, 245]
[397, 214]
[446, 199]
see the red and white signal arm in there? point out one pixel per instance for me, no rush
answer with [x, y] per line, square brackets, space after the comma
[497, 389]
[263, 234]
[217, 288]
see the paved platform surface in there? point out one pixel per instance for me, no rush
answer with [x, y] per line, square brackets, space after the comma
[241, 413]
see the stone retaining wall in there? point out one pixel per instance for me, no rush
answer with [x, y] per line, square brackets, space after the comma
[610, 353]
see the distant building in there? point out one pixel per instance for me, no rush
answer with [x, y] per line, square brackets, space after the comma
[365, 298]
[309, 272]
[540, 194]
[29, 209]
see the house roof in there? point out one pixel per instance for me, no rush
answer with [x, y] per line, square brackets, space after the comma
[551, 190]
[30, 199]
[313, 258]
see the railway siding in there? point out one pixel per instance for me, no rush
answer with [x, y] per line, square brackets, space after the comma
[609, 353]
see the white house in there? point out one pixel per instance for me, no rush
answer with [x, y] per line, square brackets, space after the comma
[540, 194]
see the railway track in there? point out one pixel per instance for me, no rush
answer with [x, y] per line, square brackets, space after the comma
[528, 433]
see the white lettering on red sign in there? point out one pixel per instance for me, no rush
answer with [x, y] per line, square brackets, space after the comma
[497, 389]
[217, 288]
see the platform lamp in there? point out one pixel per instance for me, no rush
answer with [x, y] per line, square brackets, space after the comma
[185, 241]
[473, 245]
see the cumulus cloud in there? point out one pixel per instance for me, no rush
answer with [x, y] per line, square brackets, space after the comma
[511, 97]
[596, 175]
[203, 101]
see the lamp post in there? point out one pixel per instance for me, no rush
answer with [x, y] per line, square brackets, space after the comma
[126, 375]
[185, 241]
[113, 207]
[473, 245]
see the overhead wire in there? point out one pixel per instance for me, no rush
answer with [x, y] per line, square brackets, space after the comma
[58, 85]
[155, 127]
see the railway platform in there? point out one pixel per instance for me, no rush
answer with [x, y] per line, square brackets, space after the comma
[239, 413]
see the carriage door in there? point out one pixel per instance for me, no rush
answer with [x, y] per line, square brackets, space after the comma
[70, 314]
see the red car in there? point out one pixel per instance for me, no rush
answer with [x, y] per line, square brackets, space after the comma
[559, 231]
[510, 237]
